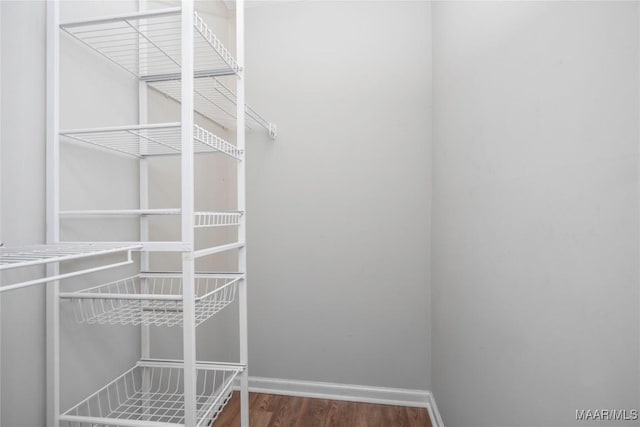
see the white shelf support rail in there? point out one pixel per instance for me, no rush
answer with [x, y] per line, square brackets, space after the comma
[57, 277]
[52, 254]
[145, 336]
[270, 127]
[118, 212]
[241, 200]
[154, 246]
[52, 209]
[217, 249]
[188, 261]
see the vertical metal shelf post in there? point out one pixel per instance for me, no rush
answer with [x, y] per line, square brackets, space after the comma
[188, 260]
[242, 228]
[145, 344]
[53, 212]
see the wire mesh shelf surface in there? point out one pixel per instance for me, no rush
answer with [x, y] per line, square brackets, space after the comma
[152, 299]
[151, 394]
[25, 256]
[148, 44]
[201, 219]
[151, 140]
[217, 219]
[215, 101]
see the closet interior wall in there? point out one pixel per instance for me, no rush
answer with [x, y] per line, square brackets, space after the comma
[340, 207]
[535, 220]
[22, 219]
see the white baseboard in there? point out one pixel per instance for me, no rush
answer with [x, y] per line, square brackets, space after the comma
[434, 413]
[349, 392]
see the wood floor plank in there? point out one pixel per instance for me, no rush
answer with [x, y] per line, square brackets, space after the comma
[341, 414]
[262, 401]
[267, 410]
[368, 414]
[313, 413]
[288, 411]
[418, 417]
[260, 418]
[395, 416]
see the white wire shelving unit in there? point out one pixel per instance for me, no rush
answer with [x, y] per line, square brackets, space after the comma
[174, 52]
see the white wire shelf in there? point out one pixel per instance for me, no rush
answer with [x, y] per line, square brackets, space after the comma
[177, 246]
[201, 219]
[217, 219]
[151, 395]
[26, 256]
[151, 140]
[152, 299]
[148, 44]
[33, 255]
[215, 101]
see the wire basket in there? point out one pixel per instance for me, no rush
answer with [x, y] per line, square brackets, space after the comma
[152, 299]
[152, 394]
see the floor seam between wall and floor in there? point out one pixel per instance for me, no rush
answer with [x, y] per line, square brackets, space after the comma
[349, 392]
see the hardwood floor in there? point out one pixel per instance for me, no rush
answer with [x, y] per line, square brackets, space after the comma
[270, 410]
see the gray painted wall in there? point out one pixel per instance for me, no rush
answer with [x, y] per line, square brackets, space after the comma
[338, 207]
[22, 320]
[535, 220]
